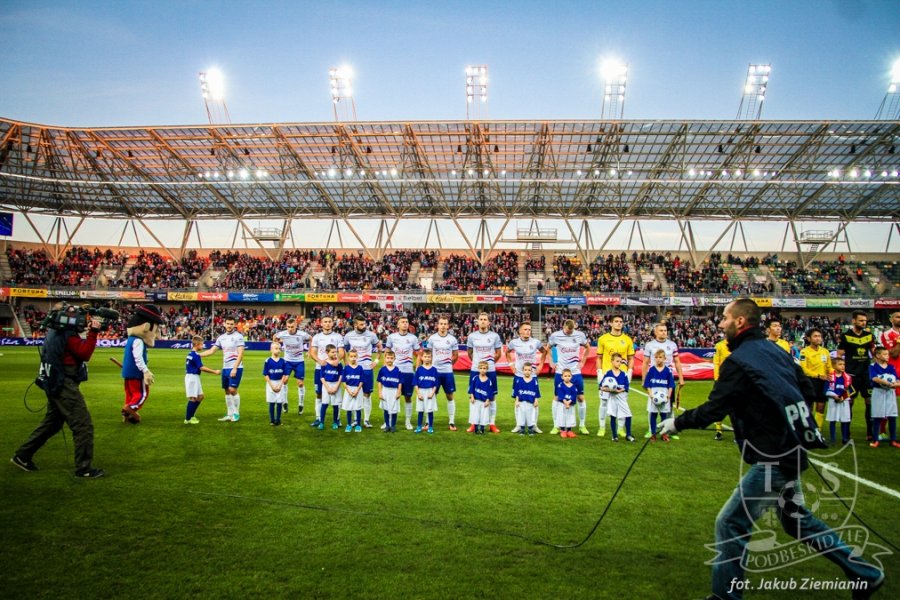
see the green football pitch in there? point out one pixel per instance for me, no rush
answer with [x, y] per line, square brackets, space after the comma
[236, 510]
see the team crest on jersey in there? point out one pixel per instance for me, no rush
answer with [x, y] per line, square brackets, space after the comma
[830, 498]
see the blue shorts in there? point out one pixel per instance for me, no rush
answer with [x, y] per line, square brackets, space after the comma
[297, 368]
[492, 375]
[577, 381]
[318, 377]
[447, 382]
[406, 385]
[368, 381]
[231, 382]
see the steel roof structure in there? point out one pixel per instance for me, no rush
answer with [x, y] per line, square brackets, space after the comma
[568, 169]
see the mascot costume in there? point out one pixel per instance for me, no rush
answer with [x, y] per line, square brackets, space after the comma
[143, 327]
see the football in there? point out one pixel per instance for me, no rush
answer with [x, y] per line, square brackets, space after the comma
[889, 381]
[609, 383]
[660, 396]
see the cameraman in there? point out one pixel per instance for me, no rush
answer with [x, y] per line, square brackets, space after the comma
[63, 368]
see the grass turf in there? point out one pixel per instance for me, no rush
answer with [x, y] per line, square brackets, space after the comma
[246, 509]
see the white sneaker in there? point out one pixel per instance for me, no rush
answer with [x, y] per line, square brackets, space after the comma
[368, 425]
[225, 418]
[537, 429]
[409, 426]
[516, 429]
[383, 426]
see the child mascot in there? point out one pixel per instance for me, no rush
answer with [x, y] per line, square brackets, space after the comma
[143, 327]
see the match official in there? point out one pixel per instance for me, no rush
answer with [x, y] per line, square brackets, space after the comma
[764, 392]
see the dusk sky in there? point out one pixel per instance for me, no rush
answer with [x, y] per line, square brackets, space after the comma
[136, 63]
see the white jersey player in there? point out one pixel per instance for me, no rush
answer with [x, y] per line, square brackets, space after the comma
[485, 345]
[231, 343]
[662, 342]
[445, 350]
[327, 337]
[571, 353]
[294, 341]
[525, 349]
[366, 344]
[406, 348]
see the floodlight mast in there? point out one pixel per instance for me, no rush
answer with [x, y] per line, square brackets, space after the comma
[476, 92]
[890, 105]
[754, 93]
[341, 80]
[615, 76]
[212, 88]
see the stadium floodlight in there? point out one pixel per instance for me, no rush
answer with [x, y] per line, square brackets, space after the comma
[212, 88]
[754, 95]
[341, 82]
[614, 73]
[476, 91]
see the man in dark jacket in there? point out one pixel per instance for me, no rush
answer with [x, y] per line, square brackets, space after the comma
[763, 392]
[64, 356]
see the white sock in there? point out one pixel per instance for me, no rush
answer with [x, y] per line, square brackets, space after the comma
[493, 413]
[582, 413]
[367, 407]
[301, 396]
[451, 411]
[536, 409]
[603, 414]
[409, 407]
[228, 404]
[236, 403]
[318, 408]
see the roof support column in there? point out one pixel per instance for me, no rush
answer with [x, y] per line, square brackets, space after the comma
[719, 239]
[582, 251]
[35, 229]
[793, 224]
[188, 227]
[465, 238]
[355, 234]
[822, 247]
[61, 250]
[611, 233]
[892, 227]
[157, 240]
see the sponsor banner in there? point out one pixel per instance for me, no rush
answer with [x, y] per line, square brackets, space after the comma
[289, 297]
[560, 300]
[514, 299]
[450, 298]
[17, 292]
[397, 298]
[184, 345]
[161, 296]
[249, 297]
[63, 293]
[17, 341]
[491, 299]
[887, 303]
[714, 300]
[789, 302]
[355, 298]
[857, 303]
[636, 301]
[603, 300]
[823, 303]
[108, 295]
[183, 296]
[763, 302]
[680, 301]
[4, 292]
[318, 297]
[580, 300]
[212, 296]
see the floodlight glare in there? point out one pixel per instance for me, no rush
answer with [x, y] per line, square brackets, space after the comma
[212, 84]
[895, 72]
[613, 70]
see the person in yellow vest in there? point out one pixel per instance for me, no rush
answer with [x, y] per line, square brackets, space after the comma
[815, 360]
[614, 342]
[719, 357]
[773, 333]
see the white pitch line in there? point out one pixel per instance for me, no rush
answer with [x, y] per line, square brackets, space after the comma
[858, 479]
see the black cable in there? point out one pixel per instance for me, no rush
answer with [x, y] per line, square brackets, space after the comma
[458, 526]
[855, 516]
[25, 400]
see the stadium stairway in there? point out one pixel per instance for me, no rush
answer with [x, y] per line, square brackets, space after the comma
[438, 273]
[5, 269]
[735, 274]
[661, 278]
[864, 283]
[414, 268]
[770, 277]
[522, 281]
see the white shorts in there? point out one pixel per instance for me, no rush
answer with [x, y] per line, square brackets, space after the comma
[884, 403]
[351, 403]
[838, 411]
[331, 399]
[389, 401]
[479, 413]
[428, 405]
[273, 397]
[652, 408]
[525, 415]
[192, 386]
[562, 416]
[618, 406]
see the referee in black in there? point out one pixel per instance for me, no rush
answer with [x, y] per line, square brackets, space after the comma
[855, 347]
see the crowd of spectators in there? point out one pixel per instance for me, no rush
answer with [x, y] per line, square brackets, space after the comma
[359, 272]
[247, 272]
[609, 273]
[461, 273]
[151, 270]
[35, 267]
[822, 279]
[536, 265]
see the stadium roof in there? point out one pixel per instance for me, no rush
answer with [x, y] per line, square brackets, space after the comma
[789, 170]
